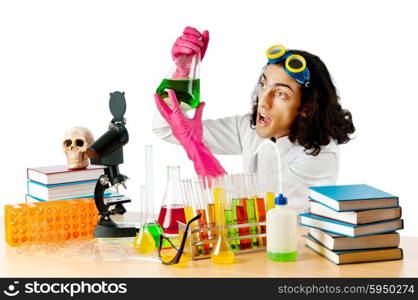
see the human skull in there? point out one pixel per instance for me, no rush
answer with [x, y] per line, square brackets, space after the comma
[75, 144]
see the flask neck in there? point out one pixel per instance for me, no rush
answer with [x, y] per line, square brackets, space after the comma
[186, 67]
[172, 196]
[173, 174]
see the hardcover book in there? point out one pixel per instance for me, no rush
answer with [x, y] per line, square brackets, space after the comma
[339, 242]
[352, 197]
[355, 217]
[347, 229]
[354, 256]
[61, 174]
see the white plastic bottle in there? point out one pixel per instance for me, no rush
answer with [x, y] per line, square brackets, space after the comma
[281, 232]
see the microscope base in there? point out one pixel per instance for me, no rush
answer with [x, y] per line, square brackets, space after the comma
[109, 229]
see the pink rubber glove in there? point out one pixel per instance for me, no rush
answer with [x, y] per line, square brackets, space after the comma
[189, 132]
[191, 42]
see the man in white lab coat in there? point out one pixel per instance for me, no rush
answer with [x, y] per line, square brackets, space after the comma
[295, 104]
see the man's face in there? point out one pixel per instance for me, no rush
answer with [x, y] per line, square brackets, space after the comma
[279, 97]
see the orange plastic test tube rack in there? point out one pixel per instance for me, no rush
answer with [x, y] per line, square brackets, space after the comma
[50, 221]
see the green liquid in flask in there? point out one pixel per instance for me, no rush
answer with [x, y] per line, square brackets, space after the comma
[155, 230]
[187, 90]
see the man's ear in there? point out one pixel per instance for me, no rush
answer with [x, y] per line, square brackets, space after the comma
[303, 110]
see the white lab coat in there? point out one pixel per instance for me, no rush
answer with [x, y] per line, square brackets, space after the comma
[233, 135]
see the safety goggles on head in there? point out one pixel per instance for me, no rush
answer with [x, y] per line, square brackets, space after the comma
[295, 64]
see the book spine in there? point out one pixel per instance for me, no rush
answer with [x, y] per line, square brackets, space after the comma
[63, 184]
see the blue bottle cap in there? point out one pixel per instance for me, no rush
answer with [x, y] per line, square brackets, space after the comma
[280, 200]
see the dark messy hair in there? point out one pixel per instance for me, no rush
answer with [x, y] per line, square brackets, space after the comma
[323, 118]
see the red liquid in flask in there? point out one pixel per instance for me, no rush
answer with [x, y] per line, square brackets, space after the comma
[168, 218]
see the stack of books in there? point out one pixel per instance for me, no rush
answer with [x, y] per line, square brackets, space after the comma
[353, 223]
[61, 183]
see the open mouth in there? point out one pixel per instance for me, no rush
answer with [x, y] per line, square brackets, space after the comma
[263, 120]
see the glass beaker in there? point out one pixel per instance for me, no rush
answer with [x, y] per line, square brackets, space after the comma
[172, 209]
[184, 80]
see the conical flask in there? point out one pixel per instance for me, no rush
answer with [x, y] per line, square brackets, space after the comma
[184, 79]
[222, 252]
[172, 209]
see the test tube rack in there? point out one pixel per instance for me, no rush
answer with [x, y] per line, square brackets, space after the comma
[196, 244]
[50, 221]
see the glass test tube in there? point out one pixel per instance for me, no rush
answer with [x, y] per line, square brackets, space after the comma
[260, 208]
[208, 183]
[217, 190]
[250, 206]
[186, 189]
[269, 186]
[242, 215]
[252, 183]
[230, 213]
[200, 204]
[234, 203]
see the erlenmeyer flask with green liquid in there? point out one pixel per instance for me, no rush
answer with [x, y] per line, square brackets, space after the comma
[184, 80]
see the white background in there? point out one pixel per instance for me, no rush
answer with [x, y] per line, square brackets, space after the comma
[60, 59]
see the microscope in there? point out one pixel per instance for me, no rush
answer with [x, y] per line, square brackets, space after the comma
[107, 151]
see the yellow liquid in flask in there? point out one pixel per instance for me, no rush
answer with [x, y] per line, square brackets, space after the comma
[223, 257]
[144, 243]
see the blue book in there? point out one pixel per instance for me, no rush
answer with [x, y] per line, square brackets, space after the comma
[352, 197]
[347, 229]
[107, 195]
